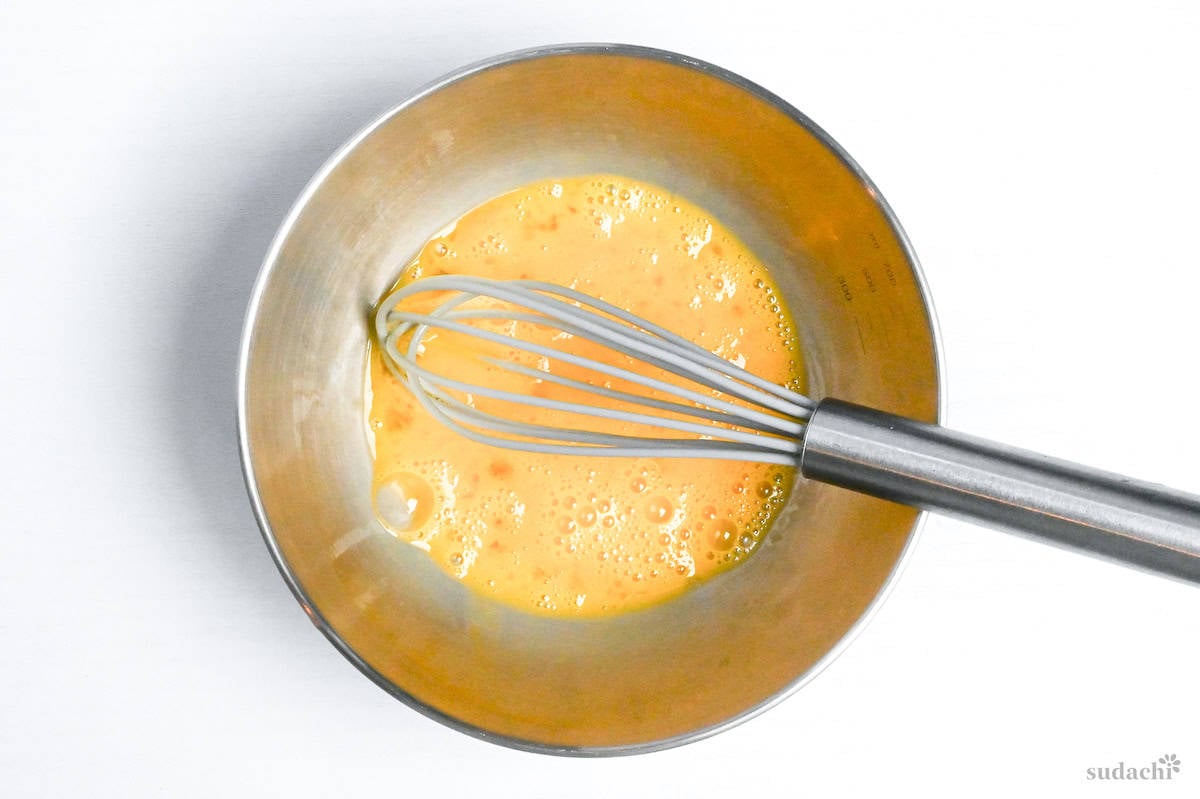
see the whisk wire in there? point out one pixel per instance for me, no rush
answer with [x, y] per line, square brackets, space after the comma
[462, 412]
[424, 321]
[685, 347]
[772, 424]
[432, 378]
[638, 337]
[718, 436]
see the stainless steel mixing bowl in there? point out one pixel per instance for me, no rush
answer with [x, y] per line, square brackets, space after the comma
[643, 680]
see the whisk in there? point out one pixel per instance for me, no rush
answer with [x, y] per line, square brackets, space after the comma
[716, 409]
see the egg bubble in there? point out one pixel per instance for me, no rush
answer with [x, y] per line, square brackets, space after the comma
[404, 503]
[660, 510]
[724, 535]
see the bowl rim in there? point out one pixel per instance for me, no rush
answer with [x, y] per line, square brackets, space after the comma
[267, 267]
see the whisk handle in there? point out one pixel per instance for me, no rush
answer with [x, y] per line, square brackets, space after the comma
[1100, 513]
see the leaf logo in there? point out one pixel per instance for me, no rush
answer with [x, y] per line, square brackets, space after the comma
[1170, 762]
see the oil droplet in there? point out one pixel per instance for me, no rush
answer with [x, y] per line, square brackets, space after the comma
[441, 249]
[765, 490]
[587, 518]
[638, 484]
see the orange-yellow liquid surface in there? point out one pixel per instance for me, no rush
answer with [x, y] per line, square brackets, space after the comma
[572, 535]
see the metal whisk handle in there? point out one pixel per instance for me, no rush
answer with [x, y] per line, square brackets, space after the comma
[1100, 513]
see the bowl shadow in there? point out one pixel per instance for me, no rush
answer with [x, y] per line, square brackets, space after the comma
[205, 318]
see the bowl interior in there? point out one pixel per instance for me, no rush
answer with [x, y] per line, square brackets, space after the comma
[643, 679]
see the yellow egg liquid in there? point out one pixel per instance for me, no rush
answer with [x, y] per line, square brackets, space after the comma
[572, 535]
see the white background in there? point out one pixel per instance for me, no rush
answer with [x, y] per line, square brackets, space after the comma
[1043, 158]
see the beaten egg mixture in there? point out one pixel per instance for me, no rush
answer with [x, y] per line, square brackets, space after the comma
[571, 535]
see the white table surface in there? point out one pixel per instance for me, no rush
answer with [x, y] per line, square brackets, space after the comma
[1043, 158]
